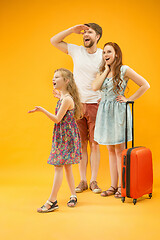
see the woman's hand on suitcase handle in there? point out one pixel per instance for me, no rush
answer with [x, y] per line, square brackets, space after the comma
[121, 98]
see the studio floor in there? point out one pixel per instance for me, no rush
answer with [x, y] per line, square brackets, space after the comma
[94, 217]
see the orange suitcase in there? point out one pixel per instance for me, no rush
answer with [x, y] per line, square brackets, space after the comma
[137, 171]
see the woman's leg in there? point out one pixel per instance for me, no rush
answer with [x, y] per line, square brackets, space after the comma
[58, 176]
[113, 170]
[118, 149]
[113, 165]
[70, 180]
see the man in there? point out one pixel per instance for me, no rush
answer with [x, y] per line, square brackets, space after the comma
[87, 60]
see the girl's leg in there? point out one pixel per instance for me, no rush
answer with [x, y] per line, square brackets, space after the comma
[113, 170]
[70, 180]
[58, 176]
[118, 149]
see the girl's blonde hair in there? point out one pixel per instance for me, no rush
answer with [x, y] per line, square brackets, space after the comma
[73, 91]
[117, 81]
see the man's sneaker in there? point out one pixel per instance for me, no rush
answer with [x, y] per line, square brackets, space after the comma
[81, 187]
[94, 187]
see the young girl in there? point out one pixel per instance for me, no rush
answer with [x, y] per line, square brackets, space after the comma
[112, 80]
[66, 145]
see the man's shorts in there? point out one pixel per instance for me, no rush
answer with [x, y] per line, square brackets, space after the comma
[87, 123]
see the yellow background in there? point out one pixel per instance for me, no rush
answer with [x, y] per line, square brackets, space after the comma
[27, 63]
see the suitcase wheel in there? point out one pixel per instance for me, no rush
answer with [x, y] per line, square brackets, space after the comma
[150, 195]
[123, 199]
[134, 201]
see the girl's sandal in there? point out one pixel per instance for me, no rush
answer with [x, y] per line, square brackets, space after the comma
[44, 209]
[118, 194]
[73, 199]
[109, 192]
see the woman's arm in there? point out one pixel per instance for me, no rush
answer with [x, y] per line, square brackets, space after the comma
[97, 83]
[67, 103]
[140, 81]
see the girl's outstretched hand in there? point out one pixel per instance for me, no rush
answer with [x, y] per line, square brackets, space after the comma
[36, 109]
[121, 99]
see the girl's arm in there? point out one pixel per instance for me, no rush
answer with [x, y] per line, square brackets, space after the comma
[97, 83]
[67, 103]
[140, 81]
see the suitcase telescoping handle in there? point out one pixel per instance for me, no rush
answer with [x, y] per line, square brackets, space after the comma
[129, 102]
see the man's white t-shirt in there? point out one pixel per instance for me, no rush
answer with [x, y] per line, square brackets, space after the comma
[85, 69]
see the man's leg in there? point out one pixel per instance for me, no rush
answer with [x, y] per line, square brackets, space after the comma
[82, 125]
[84, 162]
[83, 169]
[94, 160]
[91, 112]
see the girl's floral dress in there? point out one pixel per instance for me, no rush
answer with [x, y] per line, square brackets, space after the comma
[66, 142]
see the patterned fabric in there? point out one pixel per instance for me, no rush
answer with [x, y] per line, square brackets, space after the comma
[66, 143]
[110, 121]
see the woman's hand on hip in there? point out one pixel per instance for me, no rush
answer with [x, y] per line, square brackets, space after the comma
[121, 98]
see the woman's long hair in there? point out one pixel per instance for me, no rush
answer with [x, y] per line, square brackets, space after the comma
[73, 91]
[117, 81]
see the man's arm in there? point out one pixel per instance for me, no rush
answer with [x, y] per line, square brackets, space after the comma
[57, 40]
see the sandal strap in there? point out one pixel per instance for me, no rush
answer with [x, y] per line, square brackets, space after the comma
[73, 199]
[118, 193]
[51, 203]
[44, 208]
[113, 188]
[53, 206]
[73, 196]
[110, 190]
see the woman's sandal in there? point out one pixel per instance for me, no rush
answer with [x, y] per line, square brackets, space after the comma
[44, 209]
[112, 192]
[118, 193]
[73, 199]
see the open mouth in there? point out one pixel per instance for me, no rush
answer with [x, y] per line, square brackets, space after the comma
[54, 84]
[107, 59]
[87, 40]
